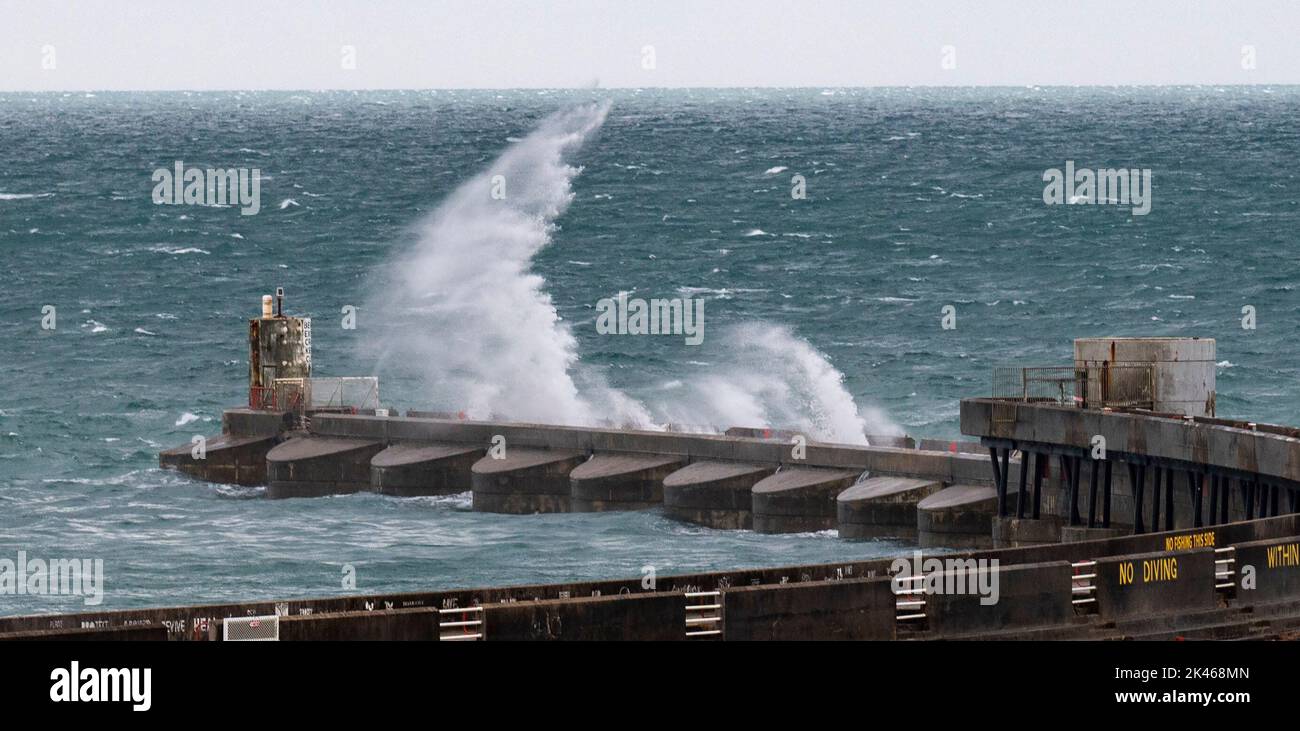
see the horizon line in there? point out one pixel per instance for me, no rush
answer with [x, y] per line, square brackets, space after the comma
[653, 88]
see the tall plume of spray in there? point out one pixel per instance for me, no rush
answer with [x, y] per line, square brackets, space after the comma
[466, 317]
[469, 323]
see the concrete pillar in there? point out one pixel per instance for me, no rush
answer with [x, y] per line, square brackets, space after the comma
[1013, 532]
[228, 459]
[882, 507]
[960, 516]
[238, 455]
[524, 481]
[414, 468]
[313, 466]
[799, 499]
[715, 494]
[620, 482]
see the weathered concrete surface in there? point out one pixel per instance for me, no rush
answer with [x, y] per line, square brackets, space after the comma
[1183, 370]
[882, 507]
[1196, 440]
[238, 455]
[1276, 570]
[954, 446]
[944, 466]
[90, 634]
[194, 622]
[314, 466]
[891, 440]
[856, 609]
[620, 482]
[799, 499]
[524, 481]
[714, 494]
[1266, 452]
[957, 516]
[1010, 532]
[785, 435]
[244, 422]
[228, 459]
[417, 468]
[655, 616]
[1155, 583]
[414, 624]
[1028, 595]
[1077, 533]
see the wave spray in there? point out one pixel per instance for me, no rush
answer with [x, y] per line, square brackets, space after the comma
[467, 322]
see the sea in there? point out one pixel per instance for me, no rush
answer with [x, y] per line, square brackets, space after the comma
[865, 259]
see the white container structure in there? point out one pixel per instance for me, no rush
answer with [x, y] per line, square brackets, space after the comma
[1181, 374]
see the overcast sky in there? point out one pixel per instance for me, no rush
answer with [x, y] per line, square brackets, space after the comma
[294, 44]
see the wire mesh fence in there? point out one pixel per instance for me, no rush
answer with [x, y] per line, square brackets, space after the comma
[251, 629]
[1086, 385]
[343, 393]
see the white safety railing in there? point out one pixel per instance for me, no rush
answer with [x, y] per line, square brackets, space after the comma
[1225, 564]
[908, 608]
[703, 619]
[251, 629]
[452, 629]
[1083, 589]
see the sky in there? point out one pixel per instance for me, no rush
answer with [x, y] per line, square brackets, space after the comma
[95, 45]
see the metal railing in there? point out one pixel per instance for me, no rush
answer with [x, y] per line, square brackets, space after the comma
[463, 629]
[344, 394]
[1085, 385]
[262, 398]
[1083, 590]
[704, 620]
[1225, 569]
[907, 608]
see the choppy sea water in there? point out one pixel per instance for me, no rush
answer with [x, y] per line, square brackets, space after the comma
[824, 312]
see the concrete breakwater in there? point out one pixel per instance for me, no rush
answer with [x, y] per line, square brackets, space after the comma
[949, 497]
[1154, 471]
[1187, 583]
[744, 479]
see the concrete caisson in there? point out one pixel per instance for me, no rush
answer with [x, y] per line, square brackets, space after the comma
[960, 516]
[226, 459]
[524, 481]
[798, 499]
[882, 507]
[238, 455]
[314, 466]
[620, 482]
[423, 469]
[714, 494]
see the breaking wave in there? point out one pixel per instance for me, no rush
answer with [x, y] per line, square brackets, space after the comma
[468, 323]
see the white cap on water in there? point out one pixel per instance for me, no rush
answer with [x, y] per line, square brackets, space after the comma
[267, 307]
